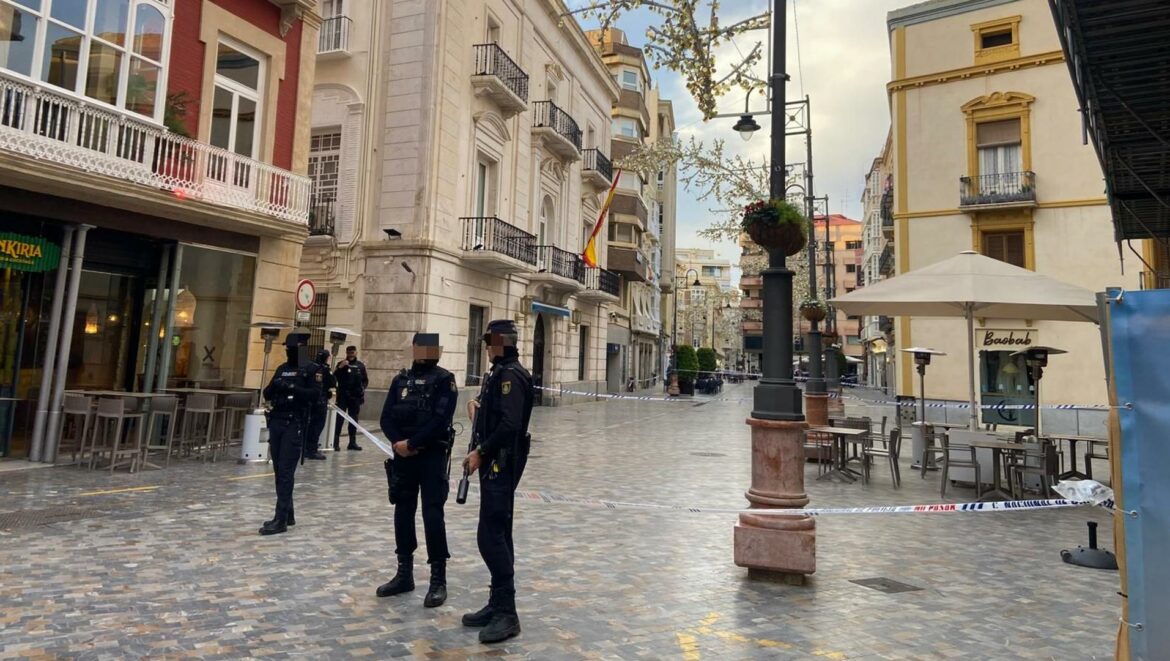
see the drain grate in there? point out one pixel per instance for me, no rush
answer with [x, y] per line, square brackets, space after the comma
[44, 517]
[708, 454]
[887, 585]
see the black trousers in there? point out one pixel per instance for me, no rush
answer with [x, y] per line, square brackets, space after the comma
[316, 426]
[425, 473]
[285, 431]
[497, 497]
[352, 409]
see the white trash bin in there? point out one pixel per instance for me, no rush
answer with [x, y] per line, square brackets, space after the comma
[254, 448]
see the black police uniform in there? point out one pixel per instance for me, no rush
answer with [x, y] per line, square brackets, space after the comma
[501, 426]
[352, 381]
[323, 381]
[291, 393]
[419, 409]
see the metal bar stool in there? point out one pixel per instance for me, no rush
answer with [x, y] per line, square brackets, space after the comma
[111, 421]
[235, 408]
[199, 423]
[163, 410]
[76, 417]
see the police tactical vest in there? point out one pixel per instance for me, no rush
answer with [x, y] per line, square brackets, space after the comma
[285, 400]
[414, 399]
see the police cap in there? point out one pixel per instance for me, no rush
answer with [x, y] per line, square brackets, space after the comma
[296, 338]
[503, 327]
[425, 340]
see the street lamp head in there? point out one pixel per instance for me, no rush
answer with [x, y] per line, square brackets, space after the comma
[697, 283]
[746, 126]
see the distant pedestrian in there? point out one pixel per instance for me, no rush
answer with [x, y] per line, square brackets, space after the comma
[352, 381]
[324, 383]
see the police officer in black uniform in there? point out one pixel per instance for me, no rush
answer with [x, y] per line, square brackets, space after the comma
[291, 393]
[323, 381]
[352, 381]
[500, 417]
[417, 420]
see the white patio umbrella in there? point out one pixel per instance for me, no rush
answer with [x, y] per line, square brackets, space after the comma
[971, 285]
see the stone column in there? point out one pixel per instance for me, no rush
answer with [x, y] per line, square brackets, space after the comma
[778, 547]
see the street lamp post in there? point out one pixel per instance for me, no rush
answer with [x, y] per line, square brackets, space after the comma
[673, 388]
[772, 545]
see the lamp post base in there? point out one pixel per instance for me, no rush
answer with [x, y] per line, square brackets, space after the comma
[771, 545]
[816, 409]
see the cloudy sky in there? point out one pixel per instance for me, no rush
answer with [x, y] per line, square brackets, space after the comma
[843, 67]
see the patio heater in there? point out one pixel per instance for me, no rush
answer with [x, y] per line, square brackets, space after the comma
[918, 433]
[337, 337]
[255, 430]
[1037, 359]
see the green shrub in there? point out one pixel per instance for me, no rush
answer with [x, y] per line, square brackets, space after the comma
[707, 362]
[688, 363]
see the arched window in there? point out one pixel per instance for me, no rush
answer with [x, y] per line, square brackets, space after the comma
[112, 51]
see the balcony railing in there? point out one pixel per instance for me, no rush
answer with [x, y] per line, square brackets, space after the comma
[67, 131]
[551, 259]
[322, 215]
[887, 209]
[334, 35]
[488, 233]
[491, 60]
[997, 189]
[599, 162]
[886, 261]
[599, 279]
[546, 114]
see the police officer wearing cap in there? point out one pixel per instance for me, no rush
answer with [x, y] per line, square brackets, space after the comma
[291, 392]
[500, 416]
[325, 384]
[417, 420]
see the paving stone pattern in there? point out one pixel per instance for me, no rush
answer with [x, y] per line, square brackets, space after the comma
[167, 564]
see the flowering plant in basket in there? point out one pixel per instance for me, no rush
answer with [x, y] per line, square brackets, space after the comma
[775, 225]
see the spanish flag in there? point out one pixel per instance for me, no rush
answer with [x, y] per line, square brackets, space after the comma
[590, 254]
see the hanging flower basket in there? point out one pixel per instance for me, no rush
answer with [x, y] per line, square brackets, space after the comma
[775, 225]
[813, 310]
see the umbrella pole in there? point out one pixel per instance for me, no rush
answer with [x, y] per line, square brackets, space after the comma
[971, 365]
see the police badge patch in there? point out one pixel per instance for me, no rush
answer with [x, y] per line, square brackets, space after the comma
[506, 387]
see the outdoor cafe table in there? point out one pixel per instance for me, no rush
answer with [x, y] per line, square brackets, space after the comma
[997, 448]
[842, 436]
[1072, 451]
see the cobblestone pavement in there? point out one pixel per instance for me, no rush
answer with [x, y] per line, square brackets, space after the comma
[168, 563]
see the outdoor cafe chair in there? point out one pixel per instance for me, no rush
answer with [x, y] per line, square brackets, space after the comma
[966, 459]
[200, 416]
[76, 419]
[931, 453]
[1037, 459]
[891, 451]
[858, 423]
[111, 423]
[235, 409]
[1091, 453]
[824, 446]
[160, 428]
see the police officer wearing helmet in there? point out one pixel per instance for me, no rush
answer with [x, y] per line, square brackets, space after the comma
[500, 417]
[291, 392]
[324, 383]
[417, 420]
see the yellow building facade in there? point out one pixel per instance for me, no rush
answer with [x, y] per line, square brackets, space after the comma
[987, 155]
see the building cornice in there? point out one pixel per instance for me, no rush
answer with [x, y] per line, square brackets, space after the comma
[926, 80]
[559, 12]
[924, 12]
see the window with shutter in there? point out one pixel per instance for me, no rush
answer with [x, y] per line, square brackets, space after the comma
[1006, 247]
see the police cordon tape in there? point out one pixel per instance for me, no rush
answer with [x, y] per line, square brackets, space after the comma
[929, 405]
[1080, 493]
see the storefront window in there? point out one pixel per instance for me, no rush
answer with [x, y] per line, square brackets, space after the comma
[213, 311]
[1006, 381]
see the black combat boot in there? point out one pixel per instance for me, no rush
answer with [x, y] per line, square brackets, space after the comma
[437, 592]
[290, 520]
[481, 617]
[336, 445]
[274, 527]
[504, 623]
[403, 581]
[353, 446]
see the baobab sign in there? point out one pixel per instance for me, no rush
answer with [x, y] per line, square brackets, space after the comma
[1003, 339]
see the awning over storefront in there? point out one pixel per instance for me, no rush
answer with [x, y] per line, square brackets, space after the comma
[545, 308]
[1120, 67]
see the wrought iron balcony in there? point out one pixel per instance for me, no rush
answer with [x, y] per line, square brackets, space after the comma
[561, 268]
[500, 78]
[560, 132]
[1007, 190]
[334, 35]
[886, 264]
[601, 285]
[62, 129]
[490, 240]
[322, 215]
[597, 168]
[887, 212]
